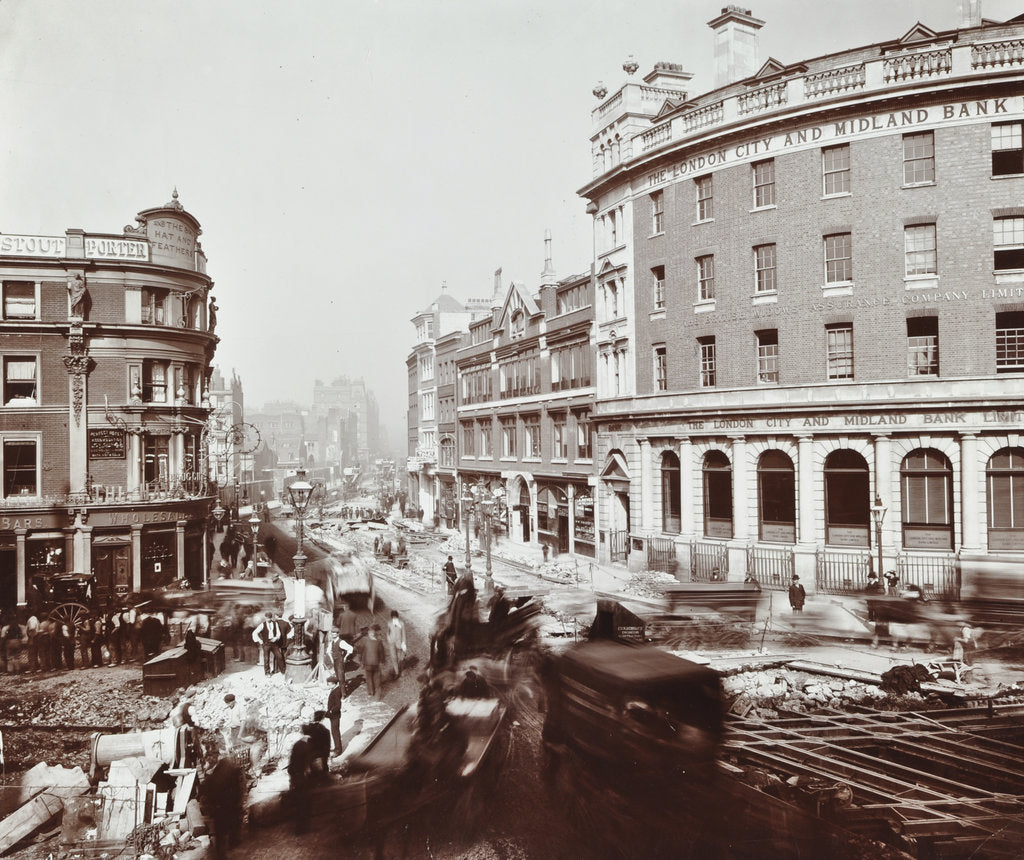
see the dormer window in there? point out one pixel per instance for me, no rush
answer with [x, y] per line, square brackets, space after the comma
[517, 324]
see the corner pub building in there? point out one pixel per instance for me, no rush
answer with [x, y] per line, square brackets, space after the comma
[810, 309]
[105, 345]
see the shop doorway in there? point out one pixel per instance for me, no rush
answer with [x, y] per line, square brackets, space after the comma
[563, 529]
[112, 572]
[8, 578]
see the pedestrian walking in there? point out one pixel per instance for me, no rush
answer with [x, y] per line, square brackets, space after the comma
[11, 637]
[396, 642]
[85, 637]
[113, 633]
[372, 656]
[340, 651]
[346, 623]
[451, 575]
[797, 595]
[334, 700]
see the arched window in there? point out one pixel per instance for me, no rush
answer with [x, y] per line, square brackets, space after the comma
[671, 497]
[1005, 481]
[717, 495]
[927, 479]
[776, 498]
[447, 454]
[847, 500]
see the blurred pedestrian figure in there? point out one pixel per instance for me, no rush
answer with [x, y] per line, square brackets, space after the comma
[113, 633]
[69, 634]
[797, 595]
[346, 624]
[97, 641]
[85, 637]
[32, 642]
[340, 651]
[299, 765]
[372, 656]
[451, 575]
[11, 636]
[56, 645]
[45, 644]
[129, 632]
[319, 742]
[193, 656]
[233, 722]
[151, 635]
[334, 700]
[221, 795]
[396, 642]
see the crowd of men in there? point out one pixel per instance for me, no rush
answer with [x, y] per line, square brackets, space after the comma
[33, 642]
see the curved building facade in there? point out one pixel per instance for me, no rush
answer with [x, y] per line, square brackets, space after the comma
[810, 309]
[106, 347]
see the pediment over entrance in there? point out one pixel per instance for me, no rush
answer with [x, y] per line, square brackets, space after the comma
[615, 469]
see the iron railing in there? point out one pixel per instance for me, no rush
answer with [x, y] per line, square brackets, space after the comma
[772, 567]
[708, 561]
[839, 572]
[618, 545]
[937, 575]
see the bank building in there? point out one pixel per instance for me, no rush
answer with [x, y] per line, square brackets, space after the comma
[106, 341]
[810, 309]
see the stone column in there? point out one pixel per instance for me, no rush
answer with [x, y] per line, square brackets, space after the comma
[740, 491]
[133, 473]
[570, 495]
[86, 532]
[69, 548]
[646, 487]
[883, 489]
[179, 548]
[687, 490]
[970, 498]
[136, 556]
[20, 562]
[805, 484]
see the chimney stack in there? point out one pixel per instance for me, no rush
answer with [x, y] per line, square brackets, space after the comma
[970, 13]
[547, 277]
[736, 45]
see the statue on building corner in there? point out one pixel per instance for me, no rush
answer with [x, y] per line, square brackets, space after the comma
[212, 317]
[77, 294]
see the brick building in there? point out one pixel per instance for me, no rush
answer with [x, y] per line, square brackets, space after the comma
[106, 347]
[810, 309]
[526, 391]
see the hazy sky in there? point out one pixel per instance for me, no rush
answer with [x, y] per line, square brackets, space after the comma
[346, 158]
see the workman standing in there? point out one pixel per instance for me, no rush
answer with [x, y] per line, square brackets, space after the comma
[341, 650]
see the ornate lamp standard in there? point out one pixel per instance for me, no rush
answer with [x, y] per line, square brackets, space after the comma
[297, 661]
[254, 524]
[487, 507]
[218, 515]
[467, 507]
[878, 515]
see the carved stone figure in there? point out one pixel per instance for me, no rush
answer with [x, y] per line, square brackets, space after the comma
[77, 293]
[212, 315]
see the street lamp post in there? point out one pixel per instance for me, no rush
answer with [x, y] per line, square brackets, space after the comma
[467, 505]
[254, 524]
[487, 504]
[878, 515]
[297, 661]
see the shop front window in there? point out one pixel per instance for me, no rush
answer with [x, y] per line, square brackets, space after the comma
[671, 495]
[776, 496]
[1004, 480]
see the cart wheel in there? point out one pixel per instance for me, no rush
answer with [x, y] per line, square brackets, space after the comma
[73, 614]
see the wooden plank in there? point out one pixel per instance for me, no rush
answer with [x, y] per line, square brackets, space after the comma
[28, 818]
[183, 789]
